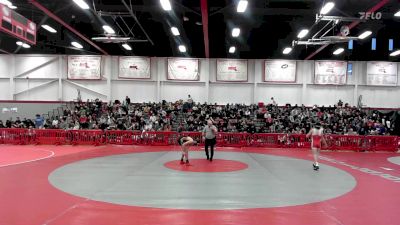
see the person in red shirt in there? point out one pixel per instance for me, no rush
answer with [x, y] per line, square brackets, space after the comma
[317, 141]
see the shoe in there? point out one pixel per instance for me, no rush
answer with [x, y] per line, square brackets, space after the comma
[315, 167]
[188, 164]
[210, 159]
[182, 162]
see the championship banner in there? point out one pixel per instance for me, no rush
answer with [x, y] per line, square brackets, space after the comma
[330, 72]
[231, 70]
[134, 67]
[382, 73]
[84, 67]
[283, 71]
[183, 69]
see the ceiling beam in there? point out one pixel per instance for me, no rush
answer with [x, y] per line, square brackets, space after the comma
[351, 26]
[204, 18]
[59, 20]
[137, 21]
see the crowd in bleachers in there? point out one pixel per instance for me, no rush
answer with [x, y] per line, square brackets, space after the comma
[189, 116]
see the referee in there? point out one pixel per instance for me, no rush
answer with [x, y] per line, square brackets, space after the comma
[209, 134]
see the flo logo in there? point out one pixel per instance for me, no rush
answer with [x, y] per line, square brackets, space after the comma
[370, 15]
[284, 66]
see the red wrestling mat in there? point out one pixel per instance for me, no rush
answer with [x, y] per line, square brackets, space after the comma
[27, 198]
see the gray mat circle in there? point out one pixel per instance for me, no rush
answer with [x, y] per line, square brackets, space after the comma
[395, 160]
[140, 179]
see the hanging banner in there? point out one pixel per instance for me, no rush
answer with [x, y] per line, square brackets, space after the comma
[231, 70]
[330, 72]
[382, 73]
[134, 67]
[280, 71]
[84, 67]
[183, 69]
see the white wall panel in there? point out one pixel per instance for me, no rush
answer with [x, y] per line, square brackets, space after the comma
[158, 88]
[5, 61]
[328, 94]
[282, 93]
[36, 66]
[43, 93]
[223, 93]
[4, 89]
[173, 91]
[136, 90]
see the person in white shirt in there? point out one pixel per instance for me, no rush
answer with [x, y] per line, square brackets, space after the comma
[209, 134]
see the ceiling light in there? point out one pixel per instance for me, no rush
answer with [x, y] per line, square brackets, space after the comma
[185, 18]
[182, 48]
[232, 49]
[12, 7]
[338, 51]
[395, 53]
[127, 47]
[175, 31]
[49, 28]
[166, 5]
[76, 44]
[19, 43]
[287, 50]
[302, 33]
[397, 14]
[25, 45]
[199, 23]
[6, 2]
[81, 4]
[108, 29]
[327, 8]
[235, 32]
[242, 6]
[365, 34]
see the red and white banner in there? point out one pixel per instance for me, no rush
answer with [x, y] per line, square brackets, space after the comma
[183, 69]
[330, 72]
[283, 71]
[134, 67]
[231, 70]
[382, 73]
[84, 67]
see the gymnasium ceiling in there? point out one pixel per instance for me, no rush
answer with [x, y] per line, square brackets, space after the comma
[267, 26]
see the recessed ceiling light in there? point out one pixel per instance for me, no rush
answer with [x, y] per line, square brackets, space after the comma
[303, 33]
[108, 29]
[242, 6]
[25, 45]
[199, 23]
[182, 48]
[287, 50]
[185, 18]
[81, 4]
[127, 47]
[235, 32]
[395, 53]
[175, 31]
[12, 7]
[49, 28]
[338, 51]
[327, 8]
[166, 5]
[19, 43]
[397, 14]
[232, 49]
[365, 34]
[76, 44]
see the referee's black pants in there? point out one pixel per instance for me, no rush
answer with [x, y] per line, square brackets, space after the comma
[211, 143]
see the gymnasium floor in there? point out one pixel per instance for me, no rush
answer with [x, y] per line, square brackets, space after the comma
[60, 185]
